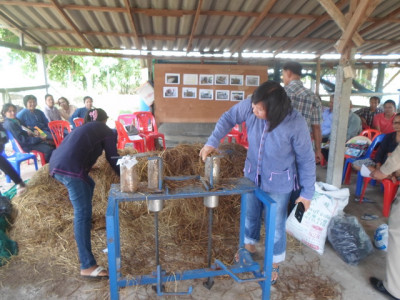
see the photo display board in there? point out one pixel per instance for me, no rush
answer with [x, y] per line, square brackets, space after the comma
[200, 93]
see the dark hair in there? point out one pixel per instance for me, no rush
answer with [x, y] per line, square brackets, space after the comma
[95, 114]
[29, 97]
[390, 101]
[275, 102]
[48, 95]
[293, 66]
[375, 97]
[6, 107]
[86, 97]
[62, 98]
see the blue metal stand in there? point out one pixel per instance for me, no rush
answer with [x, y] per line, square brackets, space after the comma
[241, 186]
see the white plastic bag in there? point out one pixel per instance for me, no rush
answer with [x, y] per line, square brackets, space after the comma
[327, 202]
[381, 237]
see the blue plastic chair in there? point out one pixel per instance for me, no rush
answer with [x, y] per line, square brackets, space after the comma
[350, 160]
[18, 156]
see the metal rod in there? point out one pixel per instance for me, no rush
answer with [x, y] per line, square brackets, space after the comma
[210, 280]
[156, 237]
[210, 224]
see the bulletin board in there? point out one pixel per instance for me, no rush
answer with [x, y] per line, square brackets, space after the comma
[200, 93]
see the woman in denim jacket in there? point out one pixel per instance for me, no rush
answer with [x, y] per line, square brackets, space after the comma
[279, 148]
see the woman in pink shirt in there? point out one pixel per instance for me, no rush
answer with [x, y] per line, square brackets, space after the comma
[384, 121]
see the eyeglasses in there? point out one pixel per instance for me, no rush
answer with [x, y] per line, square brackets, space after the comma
[396, 123]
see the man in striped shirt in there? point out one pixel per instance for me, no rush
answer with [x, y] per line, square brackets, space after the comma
[305, 101]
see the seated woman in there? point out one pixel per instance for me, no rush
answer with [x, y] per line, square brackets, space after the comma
[81, 112]
[66, 110]
[389, 143]
[31, 117]
[384, 121]
[28, 139]
[50, 111]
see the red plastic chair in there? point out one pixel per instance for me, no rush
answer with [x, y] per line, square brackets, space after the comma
[58, 129]
[365, 126]
[123, 139]
[370, 133]
[126, 119]
[234, 133]
[146, 124]
[389, 193]
[79, 122]
[244, 142]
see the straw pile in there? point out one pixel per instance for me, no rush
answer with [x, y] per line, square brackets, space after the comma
[44, 224]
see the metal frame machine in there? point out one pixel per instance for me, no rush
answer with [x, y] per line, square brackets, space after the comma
[155, 201]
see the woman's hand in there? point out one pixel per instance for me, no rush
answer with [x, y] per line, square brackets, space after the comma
[306, 202]
[36, 133]
[205, 151]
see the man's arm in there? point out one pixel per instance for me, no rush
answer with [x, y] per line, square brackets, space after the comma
[316, 131]
[391, 165]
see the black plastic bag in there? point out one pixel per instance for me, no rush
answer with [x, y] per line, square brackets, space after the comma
[5, 206]
[349, 239]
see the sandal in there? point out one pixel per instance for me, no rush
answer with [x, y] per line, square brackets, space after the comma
[95, 274]
[276, 270]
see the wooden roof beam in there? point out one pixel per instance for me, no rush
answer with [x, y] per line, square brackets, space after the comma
[26, 4]
[340, 19]
[380, 22]
[129, 11]
[72, 24]
[321, 19]
[255, 24]
[360, 14]
[194, 26]
[384, 48]
[13, 24]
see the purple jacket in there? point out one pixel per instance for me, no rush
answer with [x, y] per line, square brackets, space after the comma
[80, 149]
[286, 151]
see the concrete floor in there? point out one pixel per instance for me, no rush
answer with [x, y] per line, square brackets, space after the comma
[351, 281]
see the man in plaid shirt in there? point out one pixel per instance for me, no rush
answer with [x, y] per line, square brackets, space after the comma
[367, 113]
[305, 101]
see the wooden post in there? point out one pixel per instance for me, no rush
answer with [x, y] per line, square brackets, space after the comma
[341, 107]
[380, 78]
[318, 76]
[41, 67]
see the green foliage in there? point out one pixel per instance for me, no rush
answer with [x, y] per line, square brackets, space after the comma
[103, 74]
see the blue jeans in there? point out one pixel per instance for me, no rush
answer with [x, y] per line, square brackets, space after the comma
[81, 194]
[253, 221]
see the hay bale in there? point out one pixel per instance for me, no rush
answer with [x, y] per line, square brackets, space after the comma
[44, 225]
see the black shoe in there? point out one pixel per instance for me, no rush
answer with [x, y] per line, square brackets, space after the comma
[378, 285]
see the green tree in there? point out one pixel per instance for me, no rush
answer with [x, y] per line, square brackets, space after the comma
[85, 72]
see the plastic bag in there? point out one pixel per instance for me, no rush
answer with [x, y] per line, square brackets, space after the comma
[381, 237]
[349, 239]
[327, 202]
[5, 206]
[128, 174]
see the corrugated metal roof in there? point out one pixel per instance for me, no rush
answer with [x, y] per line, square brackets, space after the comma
[224, 25]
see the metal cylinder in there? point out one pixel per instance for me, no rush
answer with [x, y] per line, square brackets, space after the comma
[212, 170]
[155, 205]
[153, 175]
[211, 201]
